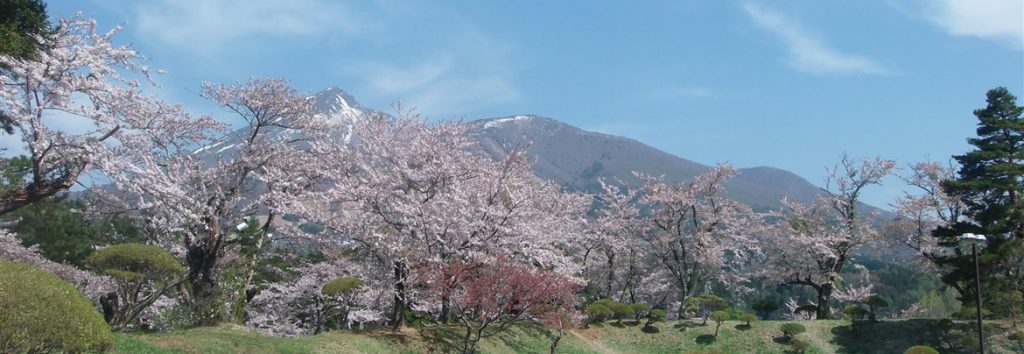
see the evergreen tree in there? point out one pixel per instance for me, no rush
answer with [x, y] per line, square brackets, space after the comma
[990, 182]
[22, 22]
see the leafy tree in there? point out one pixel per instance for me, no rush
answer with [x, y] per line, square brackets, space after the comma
[874, 303]
[23, 28]
[64, 234]
[765, 308]
[143, 274]
[990, 183]
[43, 314]
[22, 22]
[719, 317]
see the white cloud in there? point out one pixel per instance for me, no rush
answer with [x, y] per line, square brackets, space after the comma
[463, 71]
[806, 52]
[206, 26]
[997, 20]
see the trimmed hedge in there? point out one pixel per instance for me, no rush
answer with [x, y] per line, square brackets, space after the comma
[134, 261]
[42, 313]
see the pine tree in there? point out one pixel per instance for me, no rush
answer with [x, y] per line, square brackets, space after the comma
[990, 182]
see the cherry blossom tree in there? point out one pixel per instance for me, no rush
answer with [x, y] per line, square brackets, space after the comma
[192, 199]
[414, 194]
[299, 306]
[490, 295]
[613, 233]
[815, 242]
[698, 234]
[918, 214]
[82, 77]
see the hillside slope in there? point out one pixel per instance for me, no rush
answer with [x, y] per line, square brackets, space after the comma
[832, 336]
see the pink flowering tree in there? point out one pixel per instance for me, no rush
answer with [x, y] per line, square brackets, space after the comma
[488, 296]
[614, 235]
[928, 207]
[815, 242]
[413, 194]
[82, 79]
[697, 234]
[193, 199]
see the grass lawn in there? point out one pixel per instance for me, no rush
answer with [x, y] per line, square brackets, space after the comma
[827, 336]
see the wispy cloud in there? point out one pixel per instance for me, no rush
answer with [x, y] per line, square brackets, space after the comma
[998, 20]
[807, 52]
[465, 70]
[206, 26]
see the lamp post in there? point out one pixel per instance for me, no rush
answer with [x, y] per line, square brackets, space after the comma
[974, 240]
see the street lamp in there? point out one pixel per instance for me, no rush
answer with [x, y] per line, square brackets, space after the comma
[974, 240]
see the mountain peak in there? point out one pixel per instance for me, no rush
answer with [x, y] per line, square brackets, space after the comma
[335, 100]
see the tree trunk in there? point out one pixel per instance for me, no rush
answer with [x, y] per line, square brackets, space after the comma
[205, 287]
[825, 301]
[446, 309]
[610, 281]
[554, 341]
[400, 304]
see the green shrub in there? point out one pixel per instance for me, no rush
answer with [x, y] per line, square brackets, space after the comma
[639, 309]
[342, 286]
[598, 312]
[42, 313]
[921, 349]
[765, 308]
[748, 318]
[144, 273]
[134, 261]
[655, 316]
[789, 330]
[622, 311]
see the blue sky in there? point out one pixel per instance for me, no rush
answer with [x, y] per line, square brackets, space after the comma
[790, 84]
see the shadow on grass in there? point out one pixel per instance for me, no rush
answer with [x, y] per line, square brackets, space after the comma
[444, 338]
[682, 326]
[743, 327]
[781, 340]
[705, 339]
[617, 325]
[514, 339]
[633, 323]
[897, 335]
[650, 329]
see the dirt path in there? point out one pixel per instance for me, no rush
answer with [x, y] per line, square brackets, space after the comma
[593, 343]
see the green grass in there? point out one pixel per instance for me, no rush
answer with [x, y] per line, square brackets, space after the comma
[671, 337]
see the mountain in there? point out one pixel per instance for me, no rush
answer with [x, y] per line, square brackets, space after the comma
[577, 158]
[573, 157]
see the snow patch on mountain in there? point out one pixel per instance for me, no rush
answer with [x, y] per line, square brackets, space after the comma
[502, 121]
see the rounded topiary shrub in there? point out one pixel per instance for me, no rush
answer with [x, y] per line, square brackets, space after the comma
[134, 261]
[342, 286]
[921, 349]
[792, 329]
[42, 313]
